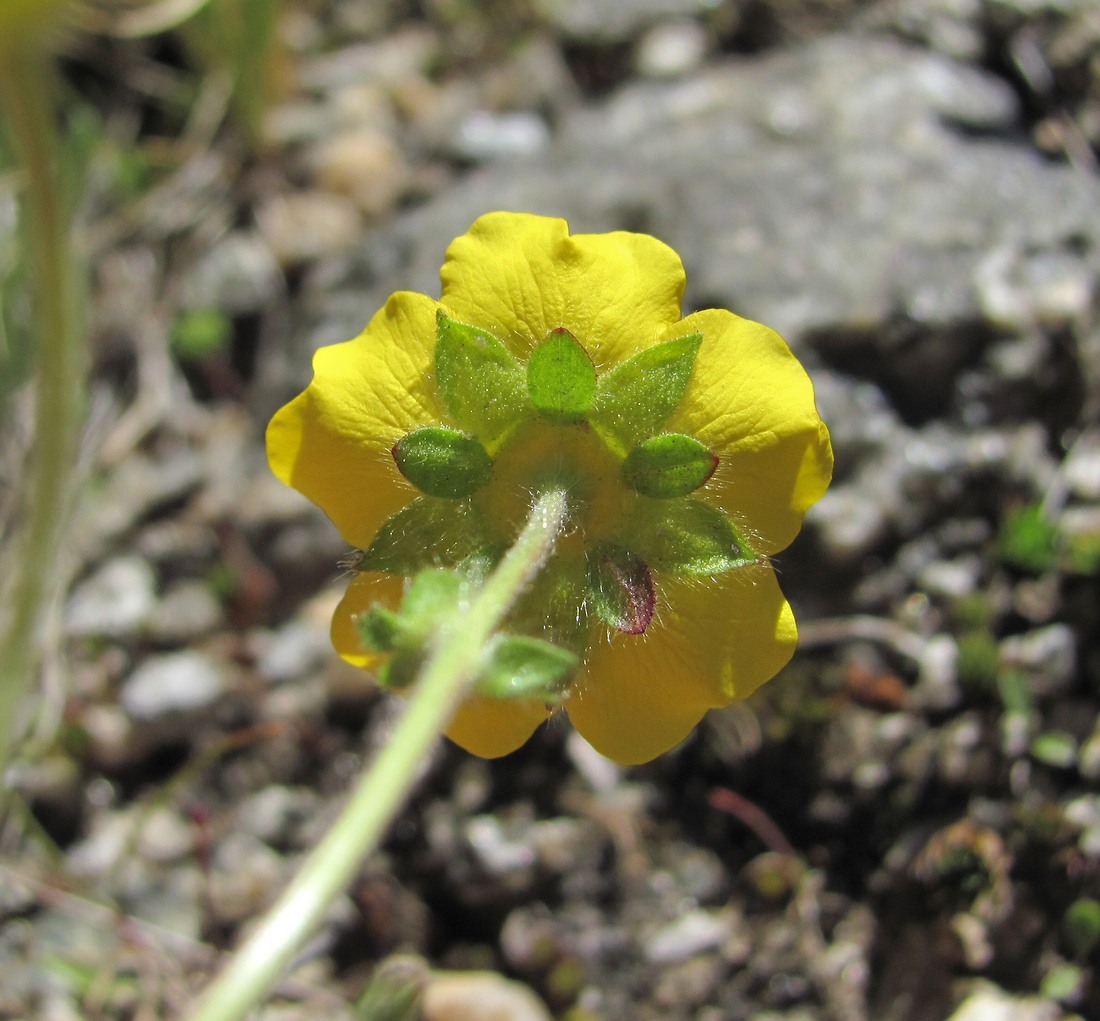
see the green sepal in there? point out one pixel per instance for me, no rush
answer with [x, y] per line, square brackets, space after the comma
[524, 667]
[481, 382]
[400, 671]
[634, 399]
[688, 537]
[381, 629]
[620, 589]
[553, 605]
[668, 465]
[431, 595]
[427, 532]
[443, 462]
[561, 379]
[479, 563]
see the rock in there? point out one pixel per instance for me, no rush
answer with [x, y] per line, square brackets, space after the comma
[53, 785]
[390, 60]
[861, 746]
[479, 996]
[952, 27]
[951, 579]
[872, 182]
[115, 601]
[138, 487]
[112, 737]
[1047, 655]
[483, 135]
[529, 939]
[915, 474]
[306, 225]
[172, 684]
[964, 758]
[691, 982]
[187, 610]
[499, 852]
[1082, 466]
[178, 545]
[937, 686]
[600, 22]
[1017, 289]
[535, 76]
[692, 933]
[672, 49]
[1089, 763]
[987, 1002]
[165, 836]
[239, 275]
[366, 166]
[298, 647]
[297, 704]
[245, 875]
[274, 813]
[1083, 813]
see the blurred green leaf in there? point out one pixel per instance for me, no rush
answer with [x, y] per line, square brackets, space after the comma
[1028, 540]
[1063, 983]
[239, 37]
[1055, 748]
[201, 333]
[1081, 926]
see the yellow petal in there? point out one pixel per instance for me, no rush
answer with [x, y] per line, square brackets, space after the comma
[710, 644]
[371, 588]
[491, 727]
[485, 727]
[752, 403]
[521, 276]
[332, 443]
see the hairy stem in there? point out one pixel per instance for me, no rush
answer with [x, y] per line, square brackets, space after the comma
[59, 345]
[384, 786]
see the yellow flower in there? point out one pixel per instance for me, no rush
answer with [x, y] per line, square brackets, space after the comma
[691, 640]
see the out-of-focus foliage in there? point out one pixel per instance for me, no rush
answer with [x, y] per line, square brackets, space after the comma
[238, 38]
[1032, 542]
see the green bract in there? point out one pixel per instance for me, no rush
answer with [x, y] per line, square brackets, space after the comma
[431, 596]
[427, 532]
[561, 379]
[636, 398]
[443, 462]
[668, 465]
[523, 667]
[689, 537]
[481, 383]
[620, 589]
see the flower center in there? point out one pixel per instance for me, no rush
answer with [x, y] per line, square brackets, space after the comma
[541, 454]
[521, 429]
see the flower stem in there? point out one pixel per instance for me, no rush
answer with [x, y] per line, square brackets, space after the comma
[382, 789]
[60, 358]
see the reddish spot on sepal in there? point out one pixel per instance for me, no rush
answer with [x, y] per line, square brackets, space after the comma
[561, 331]
[620, 589]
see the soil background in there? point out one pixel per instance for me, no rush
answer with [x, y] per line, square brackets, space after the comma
[903, 826]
